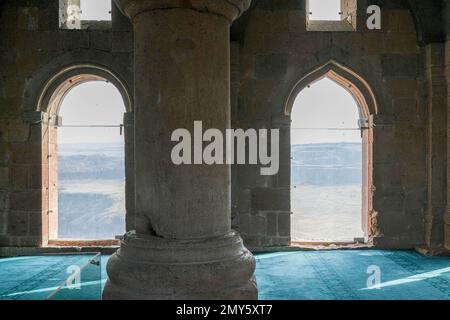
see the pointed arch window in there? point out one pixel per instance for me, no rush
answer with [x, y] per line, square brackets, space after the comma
[333, 127]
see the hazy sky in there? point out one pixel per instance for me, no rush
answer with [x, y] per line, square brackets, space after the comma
[95, 9]
[325, 9]
[324, 105]
[91, 103]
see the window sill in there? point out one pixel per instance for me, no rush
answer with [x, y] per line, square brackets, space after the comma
[91, 25]
[83, 243]
[329, 26]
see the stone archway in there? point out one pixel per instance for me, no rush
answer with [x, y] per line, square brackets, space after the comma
[48, 105]
[367, 106]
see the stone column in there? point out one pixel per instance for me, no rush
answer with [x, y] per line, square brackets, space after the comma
[446, 19]
[183, 246]
[128, 122]
[235, 123]
[436, 145]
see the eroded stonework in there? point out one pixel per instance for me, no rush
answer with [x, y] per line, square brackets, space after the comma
[269, 51]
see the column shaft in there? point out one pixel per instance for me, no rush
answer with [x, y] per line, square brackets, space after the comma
[182, 75]
[182, 246]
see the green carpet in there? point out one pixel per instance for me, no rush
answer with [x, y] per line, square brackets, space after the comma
[38, 277]
[302, 275]
[343, 275]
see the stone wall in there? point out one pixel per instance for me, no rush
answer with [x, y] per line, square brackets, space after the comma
[436, 101]
[446, 18]
[271, 52]
[276, 52]
[32, 50]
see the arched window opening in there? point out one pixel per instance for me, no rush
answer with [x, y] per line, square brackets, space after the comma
[89, 166]
[331, 15]
[326, 165]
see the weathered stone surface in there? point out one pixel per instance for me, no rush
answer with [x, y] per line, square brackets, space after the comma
[270, 66]
[18, 223]
[4, 201]
[29, 200]
[20, 177]
[390, 60]
[410, 138]
[284, 224]
[182, 74]
[101, 40]
[270, 199]
[4, 177]
[272, 223]
[399, 65]
[146, 267]
[122, 42]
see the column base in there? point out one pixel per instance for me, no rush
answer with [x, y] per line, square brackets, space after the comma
[152, 268]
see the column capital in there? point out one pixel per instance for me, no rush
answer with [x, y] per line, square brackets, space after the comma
[230, 9]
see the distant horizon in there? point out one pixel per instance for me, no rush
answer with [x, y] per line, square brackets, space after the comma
[121, 143]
